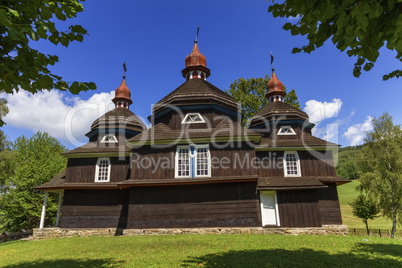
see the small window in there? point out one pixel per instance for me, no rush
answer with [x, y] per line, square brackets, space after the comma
[193, 161]
[183, 162]
[193, 118]
[286, 130]
[291, 164]
[109, 138]
[102, 170]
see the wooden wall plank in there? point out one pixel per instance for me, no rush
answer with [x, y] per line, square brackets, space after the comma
[225, 204]
[298, 208]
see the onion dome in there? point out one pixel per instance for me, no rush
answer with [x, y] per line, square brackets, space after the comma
[122, 96]
[196, 65]
[120, 118]
[276, 90]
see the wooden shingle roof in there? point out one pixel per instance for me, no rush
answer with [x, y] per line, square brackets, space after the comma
[306, 140]
[119, 118]
[278, 111]
[194, 92]
[161, 132]
[94, 148]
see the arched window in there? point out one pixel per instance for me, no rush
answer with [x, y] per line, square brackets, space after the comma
[291, 164]
[102, 173]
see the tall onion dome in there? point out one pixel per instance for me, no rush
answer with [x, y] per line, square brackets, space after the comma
[120, 119]
[196, 65]
[275, 88]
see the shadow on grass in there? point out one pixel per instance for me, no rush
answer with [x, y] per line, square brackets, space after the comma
[376, 256]
[69, 263]
[380, 249]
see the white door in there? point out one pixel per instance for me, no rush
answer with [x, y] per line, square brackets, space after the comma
[269, 208]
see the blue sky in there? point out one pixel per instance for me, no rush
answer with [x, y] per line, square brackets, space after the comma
[236, 36]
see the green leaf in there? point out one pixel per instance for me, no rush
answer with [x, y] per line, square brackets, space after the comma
[13, 12]
[287, 26]
[91, 85]
[368, 66]
[296, 50]
[4, 18]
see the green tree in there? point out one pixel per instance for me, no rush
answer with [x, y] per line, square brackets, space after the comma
[348, 166]
[6, 162]
[361, 27]
[3, 112]
[37, 160]
[364, 209]
[381, 165]
[21, 23]
[250, 93]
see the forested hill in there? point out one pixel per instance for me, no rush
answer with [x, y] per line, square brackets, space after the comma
[348, 167]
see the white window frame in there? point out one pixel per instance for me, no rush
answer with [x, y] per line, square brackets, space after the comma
[184, 121]
[193, 157]
[109, 136]
[177, 162]
[292, 132]
[99, 169]
[285, 164]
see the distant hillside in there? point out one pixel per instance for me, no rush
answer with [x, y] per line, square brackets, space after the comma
[347, 167]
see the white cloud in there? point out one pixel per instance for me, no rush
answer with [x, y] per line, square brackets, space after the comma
[49, 111]
[319, 111]
[356, 133]
[328, 132]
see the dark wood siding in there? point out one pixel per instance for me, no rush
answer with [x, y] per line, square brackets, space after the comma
[204, 205]
[82, 170]
[329, 205]
[153, 163]
[320, 164]
[272, 164]
[298, 208]
[94, 209]
[232, 159]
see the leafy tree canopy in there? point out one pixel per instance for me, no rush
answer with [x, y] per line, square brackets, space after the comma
[21, 23]
[6, 159]
[250, 93]
[364, 209]
[361, 27]
[37, 160]
[381, 165]
[348, 166]
[3, 112]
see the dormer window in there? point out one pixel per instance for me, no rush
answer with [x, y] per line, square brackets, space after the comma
[102, 173]
[192, 118]
[109, 138]
[286, 130]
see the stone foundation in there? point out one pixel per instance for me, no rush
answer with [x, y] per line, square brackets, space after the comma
[47, 233]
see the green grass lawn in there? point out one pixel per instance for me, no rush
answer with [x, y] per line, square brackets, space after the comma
[204, 251]
[346, 194]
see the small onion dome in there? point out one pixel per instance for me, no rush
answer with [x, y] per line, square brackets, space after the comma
[196, 65]
[196, 58]
[275, 87]
[122, 95]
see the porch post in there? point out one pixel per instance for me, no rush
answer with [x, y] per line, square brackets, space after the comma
[58, 209]
[42, 216]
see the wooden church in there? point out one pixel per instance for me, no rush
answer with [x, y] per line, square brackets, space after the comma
[196, 166]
